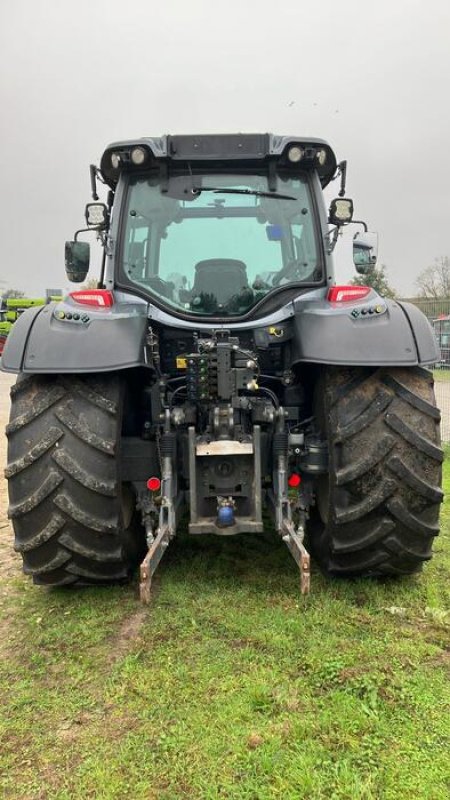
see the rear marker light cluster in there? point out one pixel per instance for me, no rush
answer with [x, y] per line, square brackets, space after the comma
[101, 298]
[347, 294]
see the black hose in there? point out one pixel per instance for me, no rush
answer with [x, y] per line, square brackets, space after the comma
[270, 394]
[178, 389]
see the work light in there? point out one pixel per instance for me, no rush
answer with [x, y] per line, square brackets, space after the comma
[138, 155]
[295, 154]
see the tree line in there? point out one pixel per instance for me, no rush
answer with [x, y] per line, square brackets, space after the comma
[433, 283]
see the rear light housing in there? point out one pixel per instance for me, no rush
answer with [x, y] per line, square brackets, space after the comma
[100, 298]
[347, 294]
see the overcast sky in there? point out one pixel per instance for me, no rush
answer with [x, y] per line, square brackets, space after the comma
[372, 78]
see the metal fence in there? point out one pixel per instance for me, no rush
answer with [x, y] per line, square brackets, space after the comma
[438, 313]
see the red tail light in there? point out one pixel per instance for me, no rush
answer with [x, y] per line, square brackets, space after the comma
[347, 294]
[101, 298]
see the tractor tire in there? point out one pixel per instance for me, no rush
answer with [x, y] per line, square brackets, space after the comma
[379, 503]
[74, 521]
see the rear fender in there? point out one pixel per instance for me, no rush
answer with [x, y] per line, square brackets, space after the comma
[374, 332]
[69, 337]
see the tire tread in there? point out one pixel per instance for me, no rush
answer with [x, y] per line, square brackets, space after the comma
[384, 490]
[63, 472]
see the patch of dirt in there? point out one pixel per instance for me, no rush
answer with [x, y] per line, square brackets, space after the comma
[127, 635]
[89, 723]
[442, 661]
[254, 741]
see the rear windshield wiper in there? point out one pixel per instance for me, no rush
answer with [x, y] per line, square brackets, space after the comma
[254, 192]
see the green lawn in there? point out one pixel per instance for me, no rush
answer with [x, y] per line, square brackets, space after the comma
[441, 375]
[231, 685]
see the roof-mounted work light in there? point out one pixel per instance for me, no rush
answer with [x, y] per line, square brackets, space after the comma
[295, 154]
[310, 154]
[124, 156]
[138, 156]
[115, 160]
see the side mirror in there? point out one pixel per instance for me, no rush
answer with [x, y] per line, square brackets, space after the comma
[77, 255]
[365, 251]
[341, 211]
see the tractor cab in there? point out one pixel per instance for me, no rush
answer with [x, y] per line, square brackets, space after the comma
[218, 245]
[214, 227]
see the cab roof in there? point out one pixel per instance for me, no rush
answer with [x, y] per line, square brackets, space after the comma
[249, 149]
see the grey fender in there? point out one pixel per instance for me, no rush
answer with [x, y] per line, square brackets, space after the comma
[49, 339]
[374, 332]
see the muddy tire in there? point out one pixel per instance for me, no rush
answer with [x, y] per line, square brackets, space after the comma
[380, 502]
[74, 522]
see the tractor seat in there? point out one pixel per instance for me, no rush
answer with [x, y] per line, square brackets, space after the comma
[220, 277]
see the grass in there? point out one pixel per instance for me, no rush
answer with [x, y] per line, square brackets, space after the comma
[231, 686]
[441, 375]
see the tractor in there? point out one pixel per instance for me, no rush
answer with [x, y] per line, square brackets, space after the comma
[218, 376]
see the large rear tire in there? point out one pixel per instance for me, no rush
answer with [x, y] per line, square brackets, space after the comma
[74, 521]
[380, 502]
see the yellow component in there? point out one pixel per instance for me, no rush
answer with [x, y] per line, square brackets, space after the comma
[276, 331]
[181, 363]
[379, 309]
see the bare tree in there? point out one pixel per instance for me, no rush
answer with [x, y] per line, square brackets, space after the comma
[434, 281]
